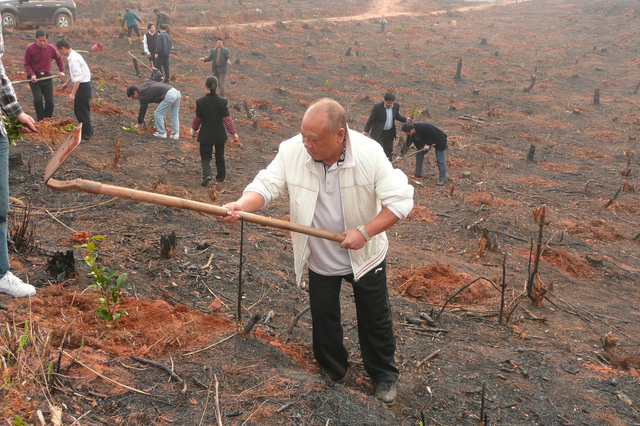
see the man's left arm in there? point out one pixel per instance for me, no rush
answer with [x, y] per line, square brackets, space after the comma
[355, 239]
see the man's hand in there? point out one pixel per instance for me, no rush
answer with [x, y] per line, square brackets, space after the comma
[202, 59]
[192, 132]
[137, 126]
[61, 74]
[409, 120]
[28, 123]
[426, 148]
[235, 136]
[231, 218]
[397, 158]
[34, 78]
[365, 133]
[354, 240]
[64, 86]
[228, 62]
[71, 97]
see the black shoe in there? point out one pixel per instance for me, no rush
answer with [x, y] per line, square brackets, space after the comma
[206, 181]
[219, 179]
[86, 138]
[387, 392]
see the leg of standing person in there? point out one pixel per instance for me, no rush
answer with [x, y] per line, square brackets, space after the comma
[82, 109]
[9, 283]
[36, 89]
[419, 161]
[375, 327]
[46, 87]
[387, 143]
[328, 347]
[174, 112]
[165, 66]
[206, 153]
[221, 171]
[158, 116]
[221, 83]
[442, 166]
[129, 30]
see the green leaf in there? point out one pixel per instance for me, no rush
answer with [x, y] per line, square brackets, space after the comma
[102, 301]
[114, 296]
[90, 246]
[121, 279]
[103, 314]
[116, 316]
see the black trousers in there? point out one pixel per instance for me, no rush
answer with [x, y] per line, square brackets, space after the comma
[162, 63]
[386, 140]
[43, 91]
[206, 153]
[82, 108]
[375, 328]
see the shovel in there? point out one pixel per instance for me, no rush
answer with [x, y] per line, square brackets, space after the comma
[92, 187]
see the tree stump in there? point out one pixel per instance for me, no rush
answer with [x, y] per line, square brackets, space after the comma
[348, 52]
[135, 66]
[15, 160]
[533, 82]
[168, 245]
[531, 153]
[483, 41]
[596, 97]
[62, 265]
[459, 71]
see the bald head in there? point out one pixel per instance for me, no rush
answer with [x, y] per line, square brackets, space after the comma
[336, 116]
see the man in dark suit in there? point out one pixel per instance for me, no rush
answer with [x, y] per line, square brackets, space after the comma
[219, 58]
[424, 136]
[382, 125]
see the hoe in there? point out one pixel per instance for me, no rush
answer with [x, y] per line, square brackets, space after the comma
[91, 187]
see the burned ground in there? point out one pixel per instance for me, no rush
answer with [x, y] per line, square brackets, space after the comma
[543, 365]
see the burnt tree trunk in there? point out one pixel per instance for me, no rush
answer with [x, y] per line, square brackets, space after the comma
[596, 97]
[135, 65]
[531, 154]
[62, 265]
[168, 245]
[459, 71]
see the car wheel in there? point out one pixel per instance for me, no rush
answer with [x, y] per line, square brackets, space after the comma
[9, 20]
[63, 21]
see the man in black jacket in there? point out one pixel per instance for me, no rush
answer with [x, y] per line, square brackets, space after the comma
[153, 91]
[219, 58]
[163, 50]
[381, 122]
[424, 136]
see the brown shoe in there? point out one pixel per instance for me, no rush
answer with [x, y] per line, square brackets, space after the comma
[387, 392]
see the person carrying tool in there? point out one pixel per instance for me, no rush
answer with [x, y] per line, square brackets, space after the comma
[163, 50]
[80, 76]
[382, 122]
[424, 136]
[9, 283]
[212, 117]
[168, 98]
[129, 19]
[341, 181]
[37, 64]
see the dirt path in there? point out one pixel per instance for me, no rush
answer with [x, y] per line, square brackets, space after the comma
[379, 8]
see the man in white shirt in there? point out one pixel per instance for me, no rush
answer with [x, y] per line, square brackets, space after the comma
[381, 122]
[340, 181]
[80, 76]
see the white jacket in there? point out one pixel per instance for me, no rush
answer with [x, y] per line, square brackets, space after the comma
[364, 189]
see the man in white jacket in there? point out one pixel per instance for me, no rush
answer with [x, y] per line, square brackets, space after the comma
[341, 181]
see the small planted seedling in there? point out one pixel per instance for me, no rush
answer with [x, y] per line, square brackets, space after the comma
[109, 294]
[13, 127]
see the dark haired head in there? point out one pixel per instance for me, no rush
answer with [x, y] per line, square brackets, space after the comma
[149, 25]
[407, 127]
[41, 33]
[212, 83]
[63, 43]
[163, 27]
[389, 96]
[131, 90]
[219, 39]
[156, 10]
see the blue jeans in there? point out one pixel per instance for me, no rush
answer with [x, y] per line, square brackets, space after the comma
[440, 159]
[171, 103]
[4, 203]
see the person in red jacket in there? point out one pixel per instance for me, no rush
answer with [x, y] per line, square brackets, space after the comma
[37, 64]
[212, 117]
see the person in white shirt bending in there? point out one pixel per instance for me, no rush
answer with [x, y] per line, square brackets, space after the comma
[80, 95]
